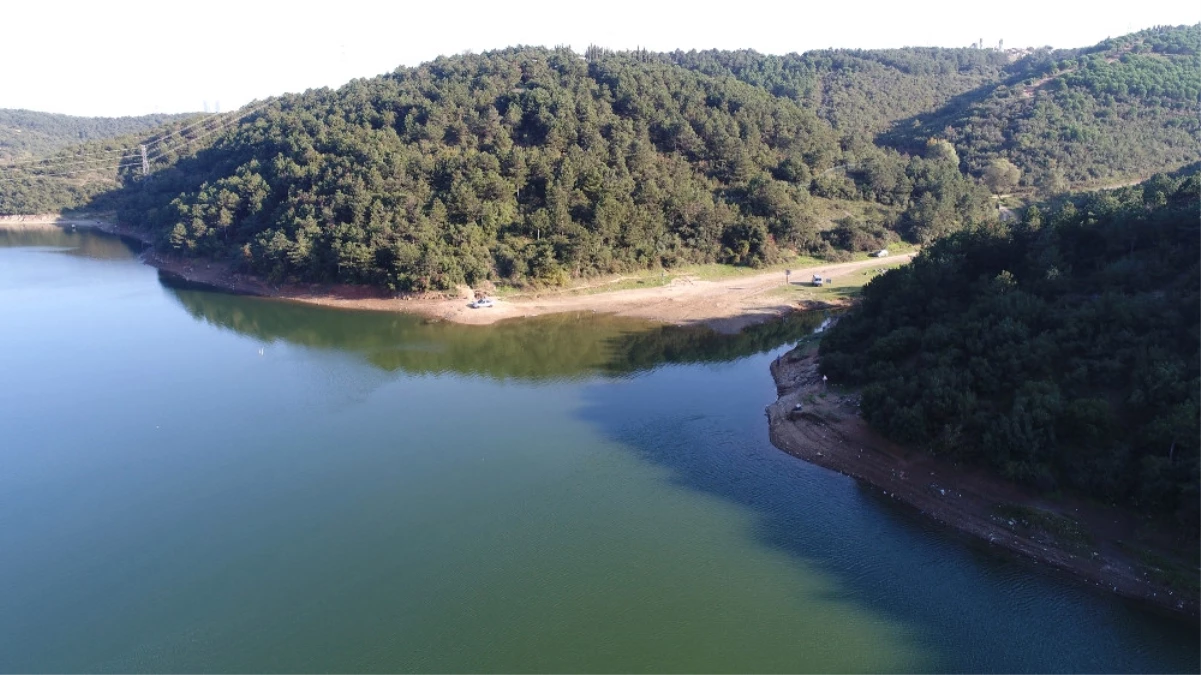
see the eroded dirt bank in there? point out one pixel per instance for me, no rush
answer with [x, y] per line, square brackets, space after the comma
[1104, 546]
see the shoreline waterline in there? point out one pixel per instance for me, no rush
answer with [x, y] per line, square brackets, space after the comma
[313, 490]
[828, 430]
[727, 306]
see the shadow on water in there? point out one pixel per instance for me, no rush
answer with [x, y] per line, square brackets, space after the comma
[567, 346]
[76, 242]
[554, 347]
[705, 427]
[708, 432]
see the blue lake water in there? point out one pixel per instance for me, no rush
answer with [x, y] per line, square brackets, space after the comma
[192, 481]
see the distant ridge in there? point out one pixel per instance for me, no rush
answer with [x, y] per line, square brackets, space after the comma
[26, 134]
[535, 166]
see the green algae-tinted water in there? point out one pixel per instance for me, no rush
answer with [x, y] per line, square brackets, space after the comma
[198, 482]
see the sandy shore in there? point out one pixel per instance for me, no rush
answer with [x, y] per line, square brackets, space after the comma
[48, 221]
[829, 431]
[726, 305]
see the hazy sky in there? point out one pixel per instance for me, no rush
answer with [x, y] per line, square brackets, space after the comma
[126, 57]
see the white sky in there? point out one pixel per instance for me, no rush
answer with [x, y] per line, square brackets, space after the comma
[128, 57]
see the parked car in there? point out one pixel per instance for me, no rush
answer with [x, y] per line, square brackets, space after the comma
[483, 303]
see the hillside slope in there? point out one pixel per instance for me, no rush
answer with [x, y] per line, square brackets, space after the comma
[1118, 111]
[1063, 353]
[537, 166]
[860, 92]
[25, 134]
[525, 165]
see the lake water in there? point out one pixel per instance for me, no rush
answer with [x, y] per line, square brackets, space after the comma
[192, 481]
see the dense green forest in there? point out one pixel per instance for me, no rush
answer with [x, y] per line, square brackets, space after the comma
[1123, 109]
[25, 134]
[92, 173]
[537, 166]
[524, 164]
[860, 92]
[1063, 351]
[69, 180]
[533, 166]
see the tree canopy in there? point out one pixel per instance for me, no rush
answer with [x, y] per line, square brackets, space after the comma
[536, 166]
[530, 166]
[25, 134]
[1063, 352]
[1123, 109]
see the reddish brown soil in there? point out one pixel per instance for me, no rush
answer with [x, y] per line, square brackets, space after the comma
[829, 431]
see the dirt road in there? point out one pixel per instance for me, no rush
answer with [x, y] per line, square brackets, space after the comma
[727, 305]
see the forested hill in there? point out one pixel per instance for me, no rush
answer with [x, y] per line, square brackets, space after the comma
[860, 92]
[26, 134]
[1121, 110]
[536, 165]
[531, 165]
[1064, 353]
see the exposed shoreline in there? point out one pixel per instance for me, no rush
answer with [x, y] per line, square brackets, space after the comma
[49, 221]
[726, 305]
[829, 432]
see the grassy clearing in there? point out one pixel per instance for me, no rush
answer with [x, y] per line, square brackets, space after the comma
[846, 286]
[1066, 531]
[625, 282]
[830, 211]
[706, 272]
[621, 284]
[1179, 576]
[715, 271]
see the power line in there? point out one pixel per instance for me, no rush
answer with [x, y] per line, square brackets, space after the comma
[67, 173]
[55, 165]
[227, 124]
[143, 153]
[102, 155]
[207, 118]
[232, 115]
[95, 153]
